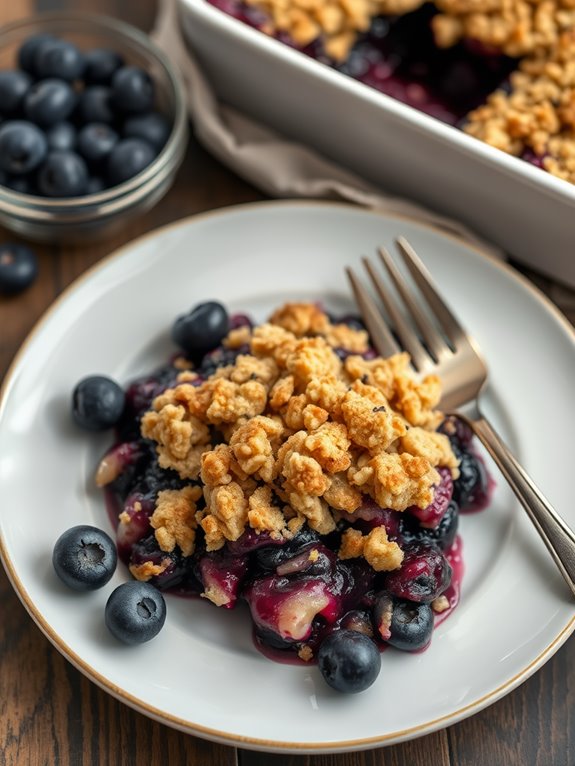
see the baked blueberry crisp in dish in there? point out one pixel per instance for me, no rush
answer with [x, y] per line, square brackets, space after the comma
[287, 469]
[501, 70]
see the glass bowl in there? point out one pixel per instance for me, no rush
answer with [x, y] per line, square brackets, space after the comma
[72, 218]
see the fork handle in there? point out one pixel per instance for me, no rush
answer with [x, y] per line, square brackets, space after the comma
[557, 536]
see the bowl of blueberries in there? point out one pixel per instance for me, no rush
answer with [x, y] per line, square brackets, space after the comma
[93, 125]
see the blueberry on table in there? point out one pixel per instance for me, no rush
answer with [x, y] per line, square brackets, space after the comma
[94, 105]
[58, 58]
[96, 141]
[18, 268]
[23, 146]
[14, 85]
[135, 612]
[202, 329]
[128, 158]
[97, 403]
[61, 136]
[49, 101]
[349, 661]
[29, 49]
[63, 174]
[84, 558]
[132, 90]
[101, 65]
[153, 128]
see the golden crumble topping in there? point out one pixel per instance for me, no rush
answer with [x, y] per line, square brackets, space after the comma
[288, 435]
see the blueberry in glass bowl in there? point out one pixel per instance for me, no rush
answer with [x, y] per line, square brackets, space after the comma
[76, 89]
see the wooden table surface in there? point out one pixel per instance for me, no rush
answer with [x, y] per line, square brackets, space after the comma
[50, 714]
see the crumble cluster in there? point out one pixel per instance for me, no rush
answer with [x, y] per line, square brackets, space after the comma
[291, 434]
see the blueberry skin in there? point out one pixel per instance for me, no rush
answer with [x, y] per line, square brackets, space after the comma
[58, 58]
[96, 141]
[94, 105]
[101, 65]
[49, 101]
[28, 50]
[411, 531]
[63, 174]
[23, 146]
[18, 268]
[20, 184]
[14, 86]
[97, 403]
[135, 612]
[84, 558]
[349, 661]
[132, 90]
[153, 128]
[95, 185]
[202, 329]
[128, 158]
[411, 626]
[61, 137]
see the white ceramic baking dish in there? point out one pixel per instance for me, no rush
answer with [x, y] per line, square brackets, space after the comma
[524, 210]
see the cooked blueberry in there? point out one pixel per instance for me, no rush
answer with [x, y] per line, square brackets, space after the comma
[128, 158]
[95, 185]
[84, 558]
[96, 141]
[100, 66]
[457, 430]
[63, 174]
[431, 515]
[471, 489]
[49, 101]
[135, 612]
[219, 357]
[22, 147]
[170, 566]
[411, 625]
[97, 403]
[273, 555]
[132, 90]
[94, 105]
[13, 87]
[58, 58]
[443, 535]
[18, 268]
[349, 661]
[202, 329]
[29, 49]
[152, 127]
[61, 137]
[423, 576]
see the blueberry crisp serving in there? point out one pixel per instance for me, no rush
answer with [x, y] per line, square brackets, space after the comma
[501, 70]
[287, 469]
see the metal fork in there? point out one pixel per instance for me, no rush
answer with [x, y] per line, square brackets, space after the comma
[453, 355]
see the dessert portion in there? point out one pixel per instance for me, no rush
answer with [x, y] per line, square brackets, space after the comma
[501, 70]
[289, 468]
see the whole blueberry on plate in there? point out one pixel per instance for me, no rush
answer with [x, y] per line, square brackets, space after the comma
[202, 329]
[13, 87]
[96, 141]
[135, 612]
[84, 558]
[49, 101]
[63, 174]
[18, 268]
[349, 661]
[23, 146]
[28, 50]
[94, 105]
[58, 58]
[61, 136]
[100, 65]
[128, 158]
[132, 90]
[153, 128]
[97, 403]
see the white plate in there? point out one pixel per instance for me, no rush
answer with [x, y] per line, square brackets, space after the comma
[202, 673]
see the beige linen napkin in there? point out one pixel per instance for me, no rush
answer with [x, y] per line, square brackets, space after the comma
[278, 166]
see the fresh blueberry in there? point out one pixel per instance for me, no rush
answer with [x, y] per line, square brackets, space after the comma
[23, 146]
[29, 49]
[13, 87]
[135, 612]
[59, 58]
[96, 141]
[128, 158]
[100, 66]
[153, 128]
[63, 174]
[97, 403]
[84, 558]
[411, 625]
[202, 329]
[18, 268]
[132, 90]
[471, 488]
[349, 661]
[20, 184]
[49, 101]
[94, 105]
[95, 185]
[61, 137]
